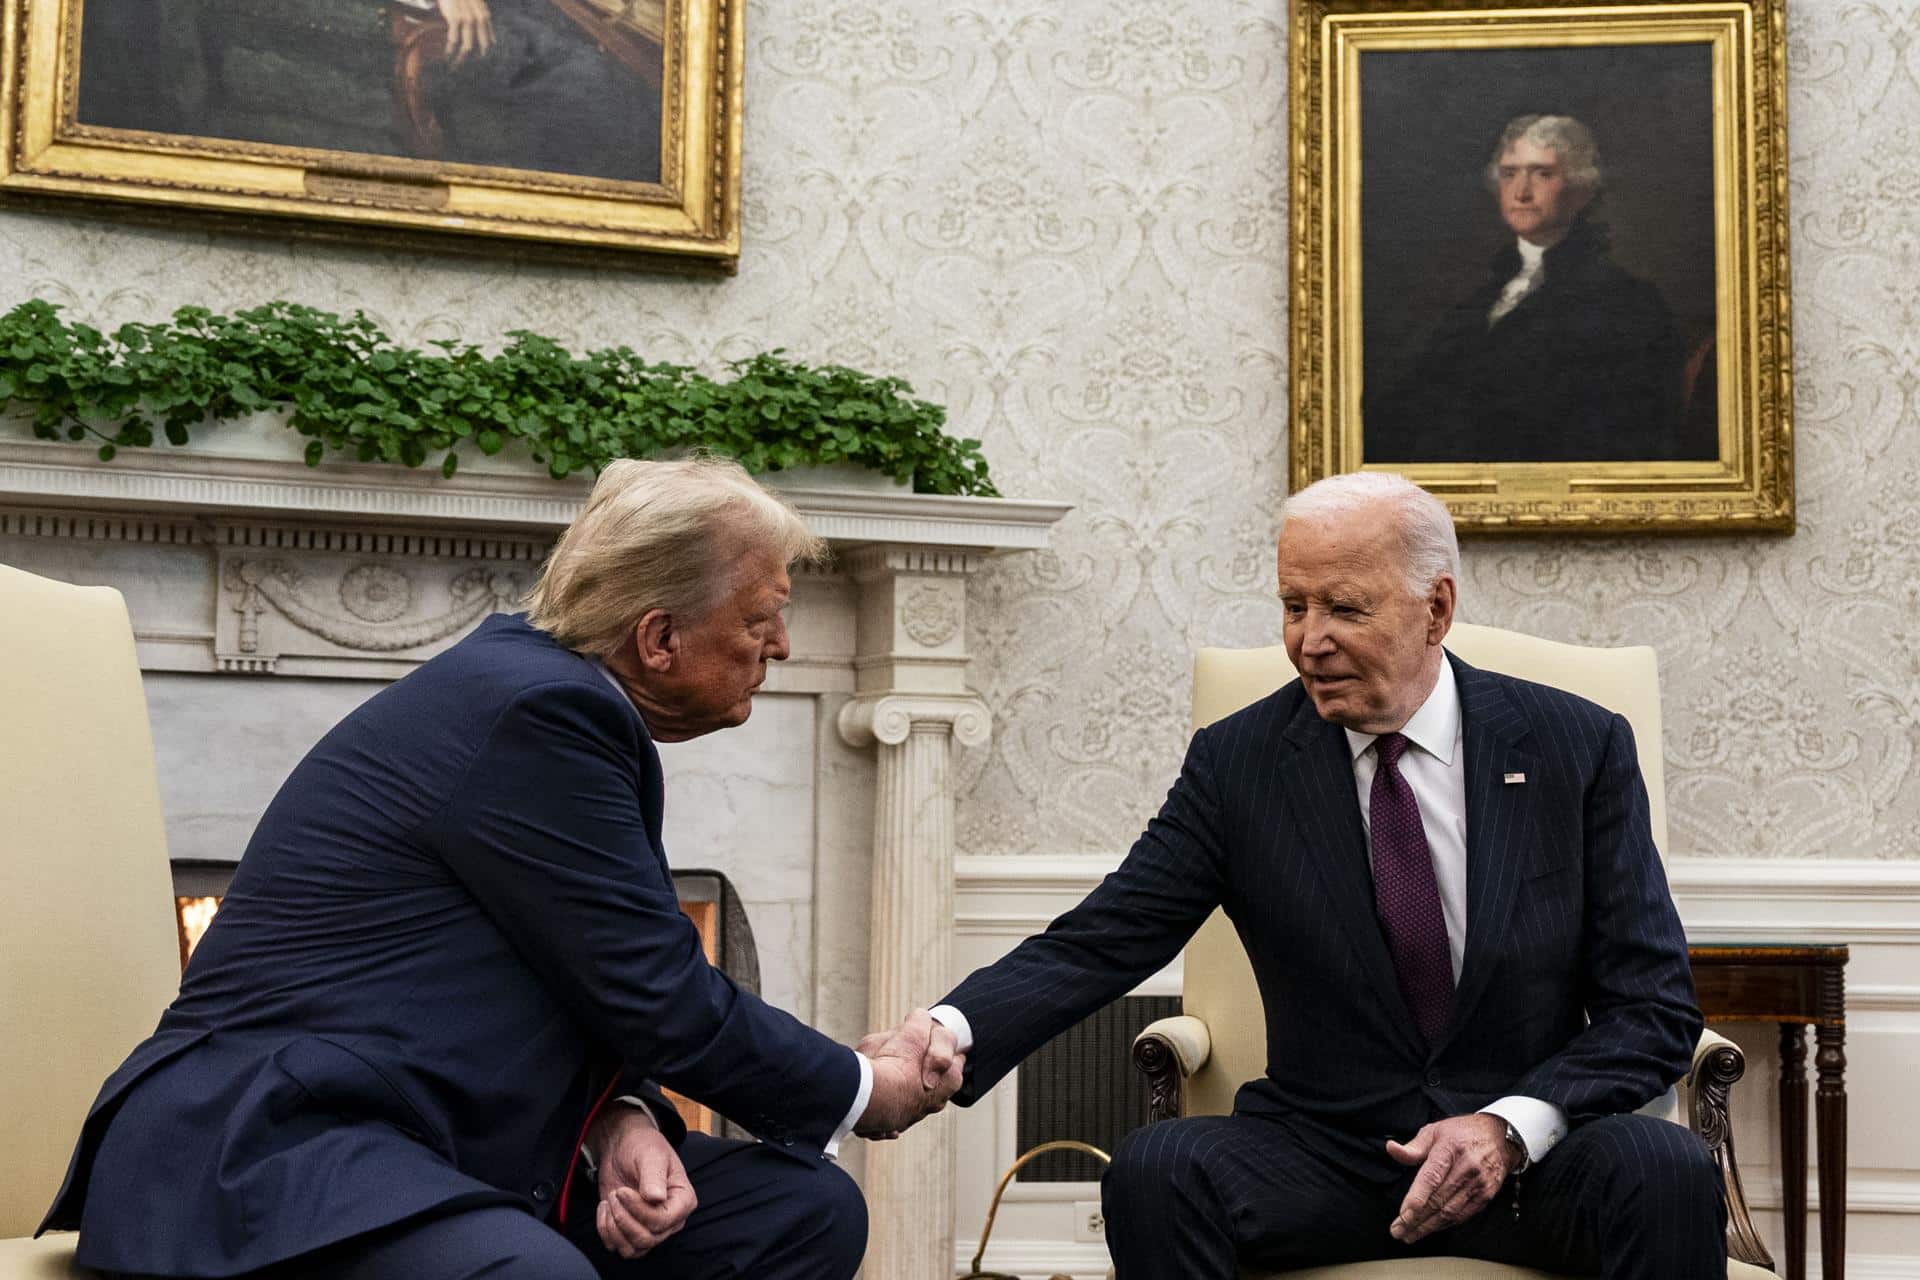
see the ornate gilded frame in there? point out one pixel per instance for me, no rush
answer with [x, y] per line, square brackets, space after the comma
[1750, 485]
[690, 218]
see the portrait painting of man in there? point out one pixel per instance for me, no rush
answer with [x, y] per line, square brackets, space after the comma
[566, 87]
[1537, 256]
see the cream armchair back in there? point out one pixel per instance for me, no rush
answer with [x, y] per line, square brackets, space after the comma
[1196, 1062]
[89, 955]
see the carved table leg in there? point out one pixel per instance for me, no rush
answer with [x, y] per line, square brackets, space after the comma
[1793, 1145]
[1830, 1119]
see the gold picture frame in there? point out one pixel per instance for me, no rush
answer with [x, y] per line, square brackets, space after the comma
[1640, 391]
[587, 129]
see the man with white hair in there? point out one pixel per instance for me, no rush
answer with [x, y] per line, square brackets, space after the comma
[1560, 355]
[1471, 967]
[426, 1035]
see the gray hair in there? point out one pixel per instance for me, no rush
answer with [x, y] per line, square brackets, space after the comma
[1430, 549]
[658, 535]
[1565, 137]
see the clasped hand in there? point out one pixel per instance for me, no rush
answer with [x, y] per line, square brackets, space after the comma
[645, 1195]
[916, 1067]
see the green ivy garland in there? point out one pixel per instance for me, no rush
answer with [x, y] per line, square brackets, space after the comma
[347, 386]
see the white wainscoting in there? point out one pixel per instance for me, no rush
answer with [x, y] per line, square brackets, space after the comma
[1873, 906]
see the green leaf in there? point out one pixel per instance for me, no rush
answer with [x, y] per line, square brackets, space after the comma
[345, 384]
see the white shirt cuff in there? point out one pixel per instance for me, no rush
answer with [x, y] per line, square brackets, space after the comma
[638, 1104]
[858, 1109]
[955, 1021]
[1539, 1123]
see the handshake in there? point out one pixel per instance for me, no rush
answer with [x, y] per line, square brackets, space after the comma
[916, 1068]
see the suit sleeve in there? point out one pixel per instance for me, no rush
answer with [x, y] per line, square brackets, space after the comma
[547, 832]
[1130, 926]
[1638, 983]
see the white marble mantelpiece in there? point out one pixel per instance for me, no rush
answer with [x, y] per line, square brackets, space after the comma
[295, 554]
[166, 480]
[269, 598]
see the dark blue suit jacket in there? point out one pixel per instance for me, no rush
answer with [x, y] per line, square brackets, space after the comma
[1575, 988]
[453, 925]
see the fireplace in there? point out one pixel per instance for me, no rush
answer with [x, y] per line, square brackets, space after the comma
[198, 886]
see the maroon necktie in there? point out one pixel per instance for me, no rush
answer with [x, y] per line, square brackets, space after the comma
[1405, 893]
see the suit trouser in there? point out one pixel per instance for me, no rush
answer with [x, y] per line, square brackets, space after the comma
[1625, 1197]
[761, 1214]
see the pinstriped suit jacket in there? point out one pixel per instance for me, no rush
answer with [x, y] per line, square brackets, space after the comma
[1575, 986]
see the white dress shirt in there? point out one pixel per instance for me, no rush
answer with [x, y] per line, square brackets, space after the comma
[1436, 771]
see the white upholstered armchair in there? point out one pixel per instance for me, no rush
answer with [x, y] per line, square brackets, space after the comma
[1196, 1061]
[89, 955]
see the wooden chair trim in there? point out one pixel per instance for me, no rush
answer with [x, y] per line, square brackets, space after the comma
[1713, 1079]
[1155, 1059]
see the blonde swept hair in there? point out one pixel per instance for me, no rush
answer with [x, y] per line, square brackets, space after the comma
[658, 535]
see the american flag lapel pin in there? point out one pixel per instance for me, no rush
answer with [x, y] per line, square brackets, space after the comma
[1514, 779]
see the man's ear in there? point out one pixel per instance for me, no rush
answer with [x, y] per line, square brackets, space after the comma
[1440, 606]
[657, 640]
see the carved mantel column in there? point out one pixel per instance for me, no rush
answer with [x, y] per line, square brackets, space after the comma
[912, 704]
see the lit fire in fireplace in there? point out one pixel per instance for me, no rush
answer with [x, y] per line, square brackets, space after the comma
[193, 916]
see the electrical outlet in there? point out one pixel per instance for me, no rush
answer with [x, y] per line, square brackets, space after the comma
[1089, 1224]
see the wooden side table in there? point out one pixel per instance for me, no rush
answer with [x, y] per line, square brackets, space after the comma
[1795, 987]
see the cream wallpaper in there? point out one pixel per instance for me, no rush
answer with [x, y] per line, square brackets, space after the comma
[1068, 221]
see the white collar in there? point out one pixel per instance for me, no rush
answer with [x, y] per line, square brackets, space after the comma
[1531, 254]
[1434, 728]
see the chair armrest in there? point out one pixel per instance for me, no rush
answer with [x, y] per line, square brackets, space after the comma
[1710, 1040]
[1167, 1052]
[1185, 1037]
[1718, 1065]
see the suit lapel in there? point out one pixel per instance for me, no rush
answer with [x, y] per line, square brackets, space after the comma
[1500, 825]
[1320, 792]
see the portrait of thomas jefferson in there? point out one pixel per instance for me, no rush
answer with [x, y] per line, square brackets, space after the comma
[1560, 354]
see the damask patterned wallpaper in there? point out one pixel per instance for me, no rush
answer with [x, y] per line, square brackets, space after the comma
[1069, 222]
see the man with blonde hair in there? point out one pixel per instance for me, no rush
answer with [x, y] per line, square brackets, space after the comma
[426, 1035]
[1470, 964]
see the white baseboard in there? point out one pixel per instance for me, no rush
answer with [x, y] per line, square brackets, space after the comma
[1873, 1267]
